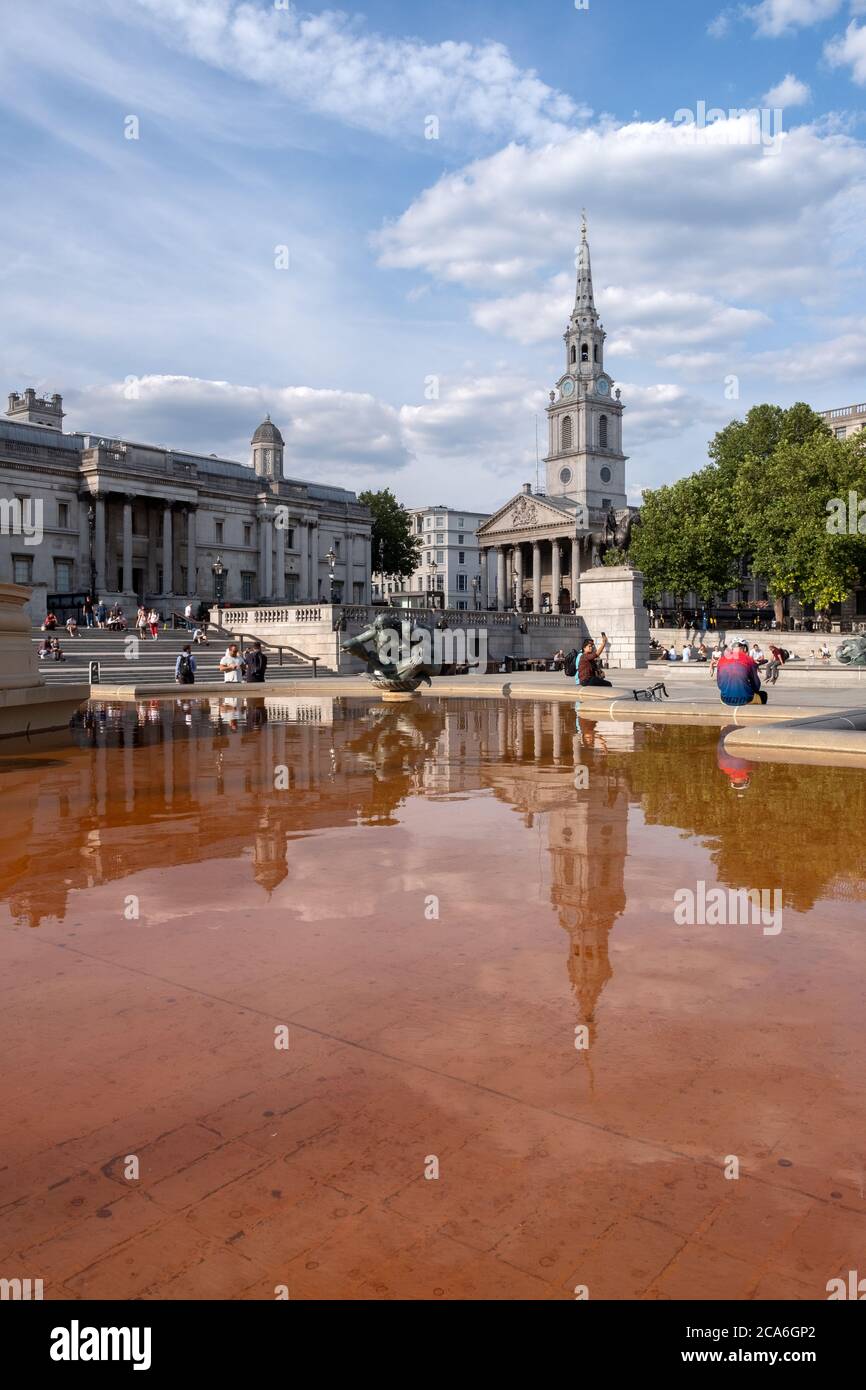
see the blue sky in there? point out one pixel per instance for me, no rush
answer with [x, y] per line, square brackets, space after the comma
[414, 334]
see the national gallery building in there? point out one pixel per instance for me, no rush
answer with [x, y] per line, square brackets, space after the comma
[135, 522]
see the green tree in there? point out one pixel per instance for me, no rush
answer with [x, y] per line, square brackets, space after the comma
[396, 552]
[682, 544]
[782, 504]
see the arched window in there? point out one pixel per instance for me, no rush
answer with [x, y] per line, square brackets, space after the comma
[595, 352]
[602, 432]
[566, 432]
[584, 352]
[573, 353]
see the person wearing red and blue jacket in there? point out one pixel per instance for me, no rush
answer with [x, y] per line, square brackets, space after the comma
[737, 677]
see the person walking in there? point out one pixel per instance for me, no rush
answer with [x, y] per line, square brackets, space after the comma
[153, 623]
[88, 611]
[187, 613]
[141, 622]
[184, 667]
[589, 666]
[255, 663]
[230, 664]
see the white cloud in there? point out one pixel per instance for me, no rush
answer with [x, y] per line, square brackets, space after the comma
[719, 27]
[849, 50]
[326, 63]
[673, 207]
[327, 432]
[775, 17]
[647, 319]
[789, 92]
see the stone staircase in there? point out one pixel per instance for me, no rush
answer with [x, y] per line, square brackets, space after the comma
[154, 663]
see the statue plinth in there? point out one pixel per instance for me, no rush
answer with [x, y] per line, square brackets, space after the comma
[27, 705]
[399, 697]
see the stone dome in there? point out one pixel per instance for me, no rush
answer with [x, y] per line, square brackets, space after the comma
[267, 433]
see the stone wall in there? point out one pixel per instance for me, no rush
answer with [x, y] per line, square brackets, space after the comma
[611, 600]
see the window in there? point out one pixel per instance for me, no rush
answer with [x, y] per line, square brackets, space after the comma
[461, 584]
[595, 352]
[461, 603]
[460, 538]
[584, 352]
[63, 514]
[461, 557]
[248, 580]
[606, 503]
[840, 431]
[440, 582]
[605, 474]
[428, 522]
[22, 569]
[440, 557]
[566, 432]
[248, 535]
[337, 546]
[218, 531]
[573, 353]
[63, 570]
[565, 475]
[440, 536]
[602, 432]
[460, 521]
[290, 538]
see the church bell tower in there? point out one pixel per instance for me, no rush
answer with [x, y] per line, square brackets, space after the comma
[585, 462]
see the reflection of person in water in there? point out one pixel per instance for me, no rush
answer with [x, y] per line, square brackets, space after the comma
[589, 736]
[738, 770]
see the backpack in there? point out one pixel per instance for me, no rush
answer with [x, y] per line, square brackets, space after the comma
[184, 670]
[569, 666]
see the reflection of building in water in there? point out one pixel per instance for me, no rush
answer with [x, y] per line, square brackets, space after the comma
[189, 781]
[193, 781]
[588, 846]
[586, 826]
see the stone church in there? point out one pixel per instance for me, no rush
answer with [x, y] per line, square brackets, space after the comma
[536, 546]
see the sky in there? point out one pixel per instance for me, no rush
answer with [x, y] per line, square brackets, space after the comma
[363, 222]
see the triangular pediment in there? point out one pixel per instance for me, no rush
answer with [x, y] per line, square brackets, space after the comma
[524, 512]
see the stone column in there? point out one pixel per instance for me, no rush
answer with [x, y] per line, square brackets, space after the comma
[280, 563]
[266, 558]
[84, 541]
[518, 570]
[304, 563]
[167, 552]
[99, 546]
[501, 593]
[126, 577]
[536, 576]
[575, 571]
[556, 579]
[191, 561]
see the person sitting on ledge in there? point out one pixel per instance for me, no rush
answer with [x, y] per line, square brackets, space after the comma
[589, 666]
[737, 678]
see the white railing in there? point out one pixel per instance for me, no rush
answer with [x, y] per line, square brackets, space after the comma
[267, 616]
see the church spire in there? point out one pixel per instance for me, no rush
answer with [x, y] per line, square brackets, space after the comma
[584, 303]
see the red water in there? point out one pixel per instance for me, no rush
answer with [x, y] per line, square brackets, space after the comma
[431, 913]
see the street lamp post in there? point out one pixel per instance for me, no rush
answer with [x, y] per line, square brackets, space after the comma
[218, 570]
[332, 561]
[475, 585]
[433, 568]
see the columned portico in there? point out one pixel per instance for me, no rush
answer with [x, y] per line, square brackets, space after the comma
[280, 563]
[126, 575]
[191, 557]
[99, 544]
[167, 551]
[536, 577]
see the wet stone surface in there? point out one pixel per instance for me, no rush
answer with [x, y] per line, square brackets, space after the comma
[364, 1002]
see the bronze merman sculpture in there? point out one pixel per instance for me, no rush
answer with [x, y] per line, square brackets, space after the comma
[400, 676]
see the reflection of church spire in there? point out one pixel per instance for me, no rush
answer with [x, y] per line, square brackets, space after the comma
[588, 850]
[269, 855]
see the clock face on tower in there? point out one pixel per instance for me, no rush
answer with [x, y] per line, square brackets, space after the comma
[602, 387]
[567, 388]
